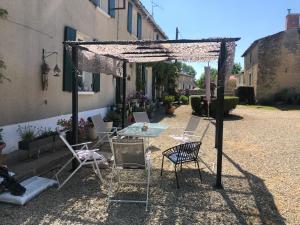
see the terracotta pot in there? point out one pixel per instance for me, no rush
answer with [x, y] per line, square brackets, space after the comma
[170, 110]
[92, 135]
[2, 146]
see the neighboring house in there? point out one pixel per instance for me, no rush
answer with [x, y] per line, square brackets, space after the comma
[272, 63]
[239, 79]
[32, 26]
[185, 81]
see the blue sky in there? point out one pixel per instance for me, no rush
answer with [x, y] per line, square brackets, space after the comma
[248, 19]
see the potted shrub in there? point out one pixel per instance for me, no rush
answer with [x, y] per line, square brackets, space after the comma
[113, 118]
[2, 143]
[168, 101]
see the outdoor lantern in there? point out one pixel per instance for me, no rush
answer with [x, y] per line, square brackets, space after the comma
[56, 71]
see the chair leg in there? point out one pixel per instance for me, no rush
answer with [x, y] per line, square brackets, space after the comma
[69, 177]
[176, 176]
[162, 165]
[199, 170]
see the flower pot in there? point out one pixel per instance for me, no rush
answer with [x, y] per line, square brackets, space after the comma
[92, 135]
[170, 110]
[2, 146]
[109, 125]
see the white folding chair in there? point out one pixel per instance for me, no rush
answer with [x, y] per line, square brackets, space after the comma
[189, 134]
[141, 117]
[84, 156]
[101, 130]
[129, 154]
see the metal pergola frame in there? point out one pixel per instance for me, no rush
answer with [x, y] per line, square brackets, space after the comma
[222, 58]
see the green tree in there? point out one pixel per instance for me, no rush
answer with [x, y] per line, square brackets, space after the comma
[201, 81]
[186, 68]
[236, 69]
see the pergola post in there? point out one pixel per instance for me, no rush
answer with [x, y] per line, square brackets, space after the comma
[74, 99]
[124, 95]
[220, 112]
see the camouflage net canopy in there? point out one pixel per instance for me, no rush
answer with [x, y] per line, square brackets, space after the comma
[108, 56]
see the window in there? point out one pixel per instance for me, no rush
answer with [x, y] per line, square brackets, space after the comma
[111, 8]
[129, 18]
[157, 37]
[85, 82]
[139, 26]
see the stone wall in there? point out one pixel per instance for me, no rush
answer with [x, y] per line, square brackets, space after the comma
[274, 65]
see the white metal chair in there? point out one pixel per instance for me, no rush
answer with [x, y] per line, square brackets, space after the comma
[188, 134]
[101, 130]
[84, 156]
[141, 117]
[129, 154]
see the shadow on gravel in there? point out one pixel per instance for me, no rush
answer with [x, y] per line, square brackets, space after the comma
[264, 201]
[245, 199]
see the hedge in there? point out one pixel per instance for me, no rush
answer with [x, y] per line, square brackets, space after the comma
[199, 105]
[184, 99]
[245, 94]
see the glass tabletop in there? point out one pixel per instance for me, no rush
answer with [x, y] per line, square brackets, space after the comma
[136, 130]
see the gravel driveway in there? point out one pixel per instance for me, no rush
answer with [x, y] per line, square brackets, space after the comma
[260, 176]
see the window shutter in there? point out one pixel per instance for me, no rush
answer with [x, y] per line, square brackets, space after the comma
[139, 26]
[96, 82]
[111, 8]
[144, 81]
[129, 18]
[70, 35]
[96, 2]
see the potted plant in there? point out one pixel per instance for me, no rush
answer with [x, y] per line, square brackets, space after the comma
[168, 101]
[66, 126]
[27, 134]
[2, 143]
[114, 118]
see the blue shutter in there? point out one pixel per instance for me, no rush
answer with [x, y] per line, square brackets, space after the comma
[129, 18]
[111, 8]
[139, 26]
[70, 35]
[96, 2]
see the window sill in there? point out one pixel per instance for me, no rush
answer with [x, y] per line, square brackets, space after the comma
[86, 93]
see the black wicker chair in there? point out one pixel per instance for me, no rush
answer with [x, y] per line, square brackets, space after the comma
[180, 154]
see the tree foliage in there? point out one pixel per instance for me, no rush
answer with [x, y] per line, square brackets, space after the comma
[201, 81]
[236, 69]
[186, 68]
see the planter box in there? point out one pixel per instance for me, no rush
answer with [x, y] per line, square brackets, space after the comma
[40, 145]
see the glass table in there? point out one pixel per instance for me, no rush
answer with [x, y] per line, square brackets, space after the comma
[136, 130]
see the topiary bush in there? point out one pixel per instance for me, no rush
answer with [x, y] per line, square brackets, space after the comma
[184, 99]
[245, 94]
[199, 105]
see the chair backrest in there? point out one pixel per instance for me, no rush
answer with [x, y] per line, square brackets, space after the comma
[189, 150]
[63, 138]
[99, 124]
[128, 153]
[192, 124]
[141, 117]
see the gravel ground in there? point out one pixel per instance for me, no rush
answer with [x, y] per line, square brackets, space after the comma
[260, 178]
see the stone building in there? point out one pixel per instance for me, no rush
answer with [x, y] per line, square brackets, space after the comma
[185, 81]
[34, 25]
[272, 63]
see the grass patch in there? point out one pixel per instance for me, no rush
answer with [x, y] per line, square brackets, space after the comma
[275, 107]
[266, 107]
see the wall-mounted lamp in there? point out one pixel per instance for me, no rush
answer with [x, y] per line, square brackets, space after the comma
[56, 69]
[46, 68]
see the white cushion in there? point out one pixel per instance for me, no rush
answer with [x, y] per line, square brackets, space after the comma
[90, 155]
[34, 186]
[181, 139]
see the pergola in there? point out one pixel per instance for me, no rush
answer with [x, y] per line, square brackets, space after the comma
[95, 55]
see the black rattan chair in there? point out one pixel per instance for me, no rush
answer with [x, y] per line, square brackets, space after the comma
[180, 154]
